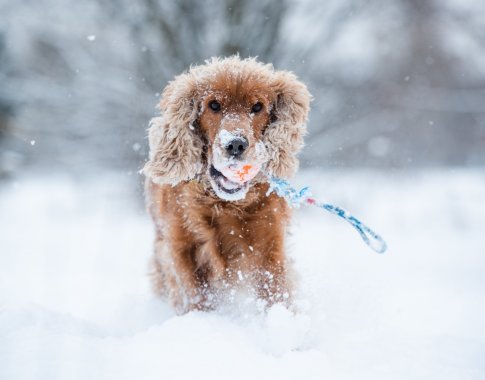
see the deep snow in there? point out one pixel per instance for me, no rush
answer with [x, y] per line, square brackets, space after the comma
[75, 301]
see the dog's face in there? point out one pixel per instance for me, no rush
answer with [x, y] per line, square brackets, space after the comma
[233, 119]
[226, 122]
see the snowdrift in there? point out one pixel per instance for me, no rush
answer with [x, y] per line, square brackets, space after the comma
[75, 301]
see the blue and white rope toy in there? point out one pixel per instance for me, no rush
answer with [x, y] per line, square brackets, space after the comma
[295, 198]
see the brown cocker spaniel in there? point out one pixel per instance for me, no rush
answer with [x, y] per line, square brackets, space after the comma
[225, 127]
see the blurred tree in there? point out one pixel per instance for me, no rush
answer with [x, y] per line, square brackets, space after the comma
[7, 159]
[91, 71]
[396, 83]
[173, 35]
[396, 91]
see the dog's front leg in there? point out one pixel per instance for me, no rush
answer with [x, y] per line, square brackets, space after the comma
[175, 261]
[273, 284]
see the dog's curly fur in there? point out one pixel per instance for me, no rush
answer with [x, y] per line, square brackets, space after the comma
[207, 247]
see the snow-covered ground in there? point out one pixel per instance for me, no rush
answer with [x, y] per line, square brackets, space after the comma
[75, 301]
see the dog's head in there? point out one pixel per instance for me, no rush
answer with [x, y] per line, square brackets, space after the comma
[226, 122]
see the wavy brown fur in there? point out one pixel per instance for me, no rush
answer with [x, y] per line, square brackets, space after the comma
[205, 246]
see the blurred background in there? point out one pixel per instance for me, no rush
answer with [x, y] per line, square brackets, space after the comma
[396, 135]
[397, 84]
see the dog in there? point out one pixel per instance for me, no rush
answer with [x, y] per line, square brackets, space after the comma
[225, 126]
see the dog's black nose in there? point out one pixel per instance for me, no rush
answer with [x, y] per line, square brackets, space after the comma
[237, 146]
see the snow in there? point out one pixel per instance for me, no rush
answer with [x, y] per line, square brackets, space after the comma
[236, 173]
[76, 304]
[225, 137]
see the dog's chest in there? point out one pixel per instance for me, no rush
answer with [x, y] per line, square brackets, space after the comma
[243, 239]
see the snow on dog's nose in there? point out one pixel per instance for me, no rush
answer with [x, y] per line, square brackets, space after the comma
[234, 158]
[236, 147]
[230, 173]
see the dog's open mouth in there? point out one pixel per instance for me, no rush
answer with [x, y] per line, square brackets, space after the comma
[225, 188]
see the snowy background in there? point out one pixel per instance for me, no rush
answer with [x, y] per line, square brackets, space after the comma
[75, 300]
[397, 83]
[397, 136]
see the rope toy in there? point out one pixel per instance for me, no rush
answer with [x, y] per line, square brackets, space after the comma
[295, 198]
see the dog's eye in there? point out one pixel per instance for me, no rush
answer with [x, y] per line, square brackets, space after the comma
[257, 107]
[215, 106]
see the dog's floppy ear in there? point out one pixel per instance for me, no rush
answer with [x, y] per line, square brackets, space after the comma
[284, 136]
[175, 149]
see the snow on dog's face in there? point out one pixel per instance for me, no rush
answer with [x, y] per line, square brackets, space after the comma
[233, 120]
[224, 123]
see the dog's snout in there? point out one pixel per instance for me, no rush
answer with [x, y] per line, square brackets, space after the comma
[237, 146]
